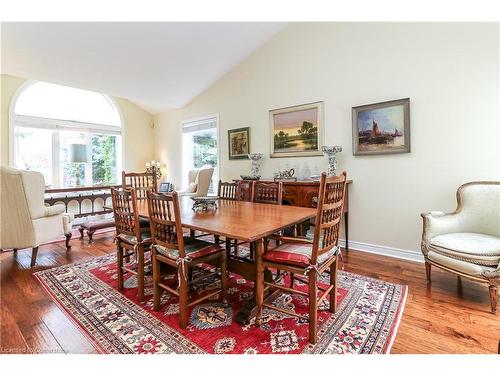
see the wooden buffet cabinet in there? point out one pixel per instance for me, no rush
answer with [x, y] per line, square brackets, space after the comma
[301, 193]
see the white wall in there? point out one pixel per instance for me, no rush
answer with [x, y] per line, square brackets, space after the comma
[449, 71]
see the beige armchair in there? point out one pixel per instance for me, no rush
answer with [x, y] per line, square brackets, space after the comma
[198, 182]
[467, 241]
[25, 220]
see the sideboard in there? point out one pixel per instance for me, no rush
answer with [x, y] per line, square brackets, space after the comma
[301, 193]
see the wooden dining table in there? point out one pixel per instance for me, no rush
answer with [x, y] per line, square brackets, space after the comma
[243, 221]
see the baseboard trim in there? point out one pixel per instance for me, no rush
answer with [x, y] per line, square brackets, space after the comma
[384, 250]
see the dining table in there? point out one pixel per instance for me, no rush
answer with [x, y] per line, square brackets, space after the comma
[245, 222]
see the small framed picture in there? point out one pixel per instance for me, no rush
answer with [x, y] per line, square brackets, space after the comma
[239, 143]
[166, 187]
[297, 131]
[381, 128]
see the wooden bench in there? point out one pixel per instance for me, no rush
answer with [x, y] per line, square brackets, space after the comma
[92, 226]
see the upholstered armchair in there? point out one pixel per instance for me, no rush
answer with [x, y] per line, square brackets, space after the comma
[467, 241]
[198, 182]
[25, 220]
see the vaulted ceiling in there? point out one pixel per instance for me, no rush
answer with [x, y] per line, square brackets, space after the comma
[159, 66]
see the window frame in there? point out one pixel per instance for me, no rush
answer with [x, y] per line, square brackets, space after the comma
[193, 122]
[34, 122]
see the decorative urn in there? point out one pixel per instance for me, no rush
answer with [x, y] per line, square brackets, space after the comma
[331, 152]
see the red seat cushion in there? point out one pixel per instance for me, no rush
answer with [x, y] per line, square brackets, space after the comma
[295, 254]
[193, 247]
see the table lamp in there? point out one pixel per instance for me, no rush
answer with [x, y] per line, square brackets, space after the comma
[78, 155]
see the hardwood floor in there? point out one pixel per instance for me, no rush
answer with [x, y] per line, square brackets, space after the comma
[449, 316]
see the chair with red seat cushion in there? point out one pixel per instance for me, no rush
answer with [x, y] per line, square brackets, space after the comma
[309, 258]
[296, 254]
[170, 247]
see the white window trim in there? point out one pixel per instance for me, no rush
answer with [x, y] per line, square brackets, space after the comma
[195, 122]
[29, 121]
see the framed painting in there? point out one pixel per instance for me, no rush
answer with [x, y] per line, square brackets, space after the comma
[239, 143]
[381, 128]
[297, 131]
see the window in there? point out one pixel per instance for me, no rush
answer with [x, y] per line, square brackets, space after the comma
[199, 144]
[50, 119]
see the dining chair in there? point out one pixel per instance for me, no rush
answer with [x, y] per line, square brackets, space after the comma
[300, 256]
[245, 190]
[170, 247]
[141, 182]
[267, 192]
[227, 190]
[131, 237]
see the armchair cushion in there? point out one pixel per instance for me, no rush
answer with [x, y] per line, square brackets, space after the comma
[475, 248]
[295, 254]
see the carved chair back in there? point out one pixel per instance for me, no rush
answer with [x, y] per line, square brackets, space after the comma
[244, 191]
[141, 182]
[227, 190]
[330, 208]
[125, 212]
[165, 221]
[267, 192]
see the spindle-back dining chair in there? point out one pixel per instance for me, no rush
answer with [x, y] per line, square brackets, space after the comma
[131, 237]
[172, 248]
[308, 258]
[227, 190]
[267, 192]
[141, 182]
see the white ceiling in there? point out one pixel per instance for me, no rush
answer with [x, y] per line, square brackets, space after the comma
[156, 65]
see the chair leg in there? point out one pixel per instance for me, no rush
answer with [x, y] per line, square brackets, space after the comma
[236, 248]
[493, 298]
[34, 253]
[259, 283]
[140, 273]
[119, 261]
[81, 232]
[333, 281]
[216, 238]
[223, 277]
[292, 279]
[183, 300]
[90, 233]
[313, 307]
[156, 280]
[68, 238]
[428, 271]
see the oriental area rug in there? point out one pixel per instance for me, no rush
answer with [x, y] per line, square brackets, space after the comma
[366, 321]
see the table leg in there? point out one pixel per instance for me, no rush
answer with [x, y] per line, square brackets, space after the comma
[249, 309]
[346, 229]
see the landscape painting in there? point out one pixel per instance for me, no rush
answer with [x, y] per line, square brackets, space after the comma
[239, 143]
[297, 131]
[381, 128]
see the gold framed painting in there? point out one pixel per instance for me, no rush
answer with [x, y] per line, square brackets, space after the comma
[297, 130]
[239, 143]
[381, 128]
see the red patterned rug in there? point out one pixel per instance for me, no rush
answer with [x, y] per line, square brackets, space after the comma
[367, 319]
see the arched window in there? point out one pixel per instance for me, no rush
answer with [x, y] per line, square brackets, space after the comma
[71, 136]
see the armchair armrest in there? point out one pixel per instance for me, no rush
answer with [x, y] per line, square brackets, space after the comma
[437, 223]
[297, 240]
[54, 210]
